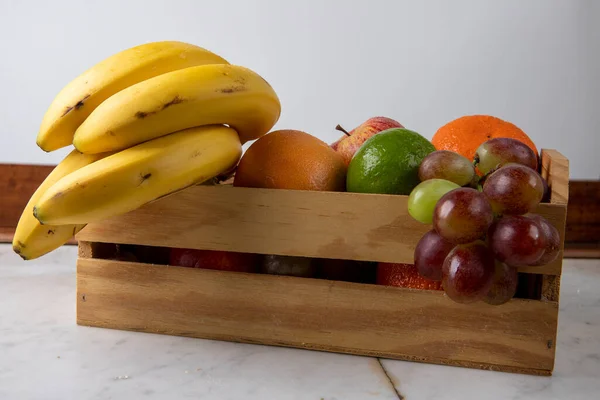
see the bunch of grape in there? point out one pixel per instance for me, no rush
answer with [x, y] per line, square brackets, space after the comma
[483, 228]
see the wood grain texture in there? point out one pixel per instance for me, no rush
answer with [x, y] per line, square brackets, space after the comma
[6, 234]
[97, 250]
[269, 221]
[555, 169]
[582, 250]
[17, 184]
[316, 314]
[583, 216]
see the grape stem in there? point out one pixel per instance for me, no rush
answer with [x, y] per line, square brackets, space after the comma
[484, 177]
[476, 183]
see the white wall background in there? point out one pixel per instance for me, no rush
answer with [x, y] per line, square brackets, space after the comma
[534, 63]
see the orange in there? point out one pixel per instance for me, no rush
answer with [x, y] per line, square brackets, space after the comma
[465, 134]
[291, 159]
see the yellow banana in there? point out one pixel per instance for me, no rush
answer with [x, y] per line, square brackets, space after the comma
[80, 97]
[32, 239]
[133, 177]
[195, 96]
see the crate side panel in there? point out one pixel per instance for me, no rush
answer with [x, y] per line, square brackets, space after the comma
[288, 222]
[318, 314]
[555, 169]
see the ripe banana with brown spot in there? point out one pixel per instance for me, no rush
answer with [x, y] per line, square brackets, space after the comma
[81, 96]
[133, 177]
[195, 96]
[32, 239]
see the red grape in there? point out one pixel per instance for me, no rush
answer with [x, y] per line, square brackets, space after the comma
[430, 253]
[552, 240]
[517, 240]
[500, 151]
[448, 165]
[514, 189]
[468, 272]
[504, 284]
[462, 215]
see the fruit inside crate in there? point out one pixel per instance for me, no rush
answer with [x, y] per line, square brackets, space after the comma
[330, 315]
[363, 272]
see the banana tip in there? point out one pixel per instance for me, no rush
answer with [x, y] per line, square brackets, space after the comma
[40, 143]
[76, 143]
[17, 248]
[36, 214]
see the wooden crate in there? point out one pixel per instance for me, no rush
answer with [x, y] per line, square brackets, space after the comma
[335, 316]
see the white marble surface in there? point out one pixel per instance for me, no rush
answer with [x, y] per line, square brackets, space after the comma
[577, 365]
[45, 355]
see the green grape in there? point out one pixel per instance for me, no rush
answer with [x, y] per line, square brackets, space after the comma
[424, 197]
[448, 165]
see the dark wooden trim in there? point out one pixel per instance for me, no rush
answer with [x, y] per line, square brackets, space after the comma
[6, 234]
[17, 183]
[582, 237]
[582, 250]
[583, 212]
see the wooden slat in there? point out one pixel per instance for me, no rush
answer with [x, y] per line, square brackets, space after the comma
[555, 169]
[269, 221]
[583, 215]
[582, 250]
[381, 321]
[6, 234]
[17, 184]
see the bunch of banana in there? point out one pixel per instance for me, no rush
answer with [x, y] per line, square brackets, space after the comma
[146, 122]
[32, 239]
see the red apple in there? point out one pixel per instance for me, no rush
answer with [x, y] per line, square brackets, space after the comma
[348, 144]
[212, 259]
